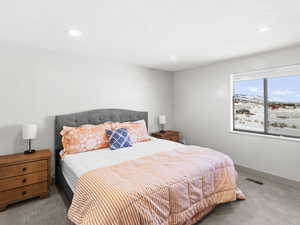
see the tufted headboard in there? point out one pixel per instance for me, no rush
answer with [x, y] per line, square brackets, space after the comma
[97, 116]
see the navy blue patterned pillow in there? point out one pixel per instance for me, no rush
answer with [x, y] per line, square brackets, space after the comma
[118, 138]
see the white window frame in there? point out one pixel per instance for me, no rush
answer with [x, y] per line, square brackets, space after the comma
[256, 74]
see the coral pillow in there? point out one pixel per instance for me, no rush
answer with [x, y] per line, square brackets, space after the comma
[137, 130]
[85, 138]
[118, 138]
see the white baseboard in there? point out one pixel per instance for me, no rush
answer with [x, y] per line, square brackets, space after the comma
[267, 176]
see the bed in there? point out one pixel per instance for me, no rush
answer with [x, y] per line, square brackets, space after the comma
[88, 117]
[155, 182]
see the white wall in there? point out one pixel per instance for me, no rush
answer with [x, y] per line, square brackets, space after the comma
[201, 112]
[36, 85]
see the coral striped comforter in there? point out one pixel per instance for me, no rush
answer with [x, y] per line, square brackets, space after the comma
[177, 187]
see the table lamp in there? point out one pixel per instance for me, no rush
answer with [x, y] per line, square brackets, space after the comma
[162, 121]
[29, 133]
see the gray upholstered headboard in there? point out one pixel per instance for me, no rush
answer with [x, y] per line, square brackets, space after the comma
[89, 117]
[94, 117]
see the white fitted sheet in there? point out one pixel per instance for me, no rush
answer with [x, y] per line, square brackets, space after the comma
[73, 166]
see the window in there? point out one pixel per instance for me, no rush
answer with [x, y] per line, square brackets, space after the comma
[267, 102]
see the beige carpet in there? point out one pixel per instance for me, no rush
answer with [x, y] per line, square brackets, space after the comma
[48, 211]
[270, 204]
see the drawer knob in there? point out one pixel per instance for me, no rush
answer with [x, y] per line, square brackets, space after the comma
[24, 193]
[24, 180]
[24, 169]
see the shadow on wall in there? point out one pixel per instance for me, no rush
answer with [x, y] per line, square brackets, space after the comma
[46, 138]
[11, 140]
[46, 133]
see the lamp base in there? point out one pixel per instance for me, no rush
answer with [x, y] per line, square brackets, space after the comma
[29, 151]
[162, 131]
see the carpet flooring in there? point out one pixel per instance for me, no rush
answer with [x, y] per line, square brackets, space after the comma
[268, 204]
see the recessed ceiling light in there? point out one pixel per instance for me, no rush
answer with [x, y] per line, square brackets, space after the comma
[263, 29]
[73, 32]
[172, 57]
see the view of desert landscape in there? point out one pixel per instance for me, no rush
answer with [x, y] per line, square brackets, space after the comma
[272, 100]
[283, 118]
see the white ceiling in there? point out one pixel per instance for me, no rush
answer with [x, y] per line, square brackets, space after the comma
[147, 32]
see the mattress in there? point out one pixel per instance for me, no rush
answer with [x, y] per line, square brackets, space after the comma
[75, 165]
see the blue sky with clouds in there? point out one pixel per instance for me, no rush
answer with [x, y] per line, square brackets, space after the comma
[249, 87]
[285, 89]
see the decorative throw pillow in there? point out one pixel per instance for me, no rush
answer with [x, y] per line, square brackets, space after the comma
[137, 130]
[85, 138]
[118, 138]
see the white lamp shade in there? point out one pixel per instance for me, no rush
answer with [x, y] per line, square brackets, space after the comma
[29, 131]
[162, 119]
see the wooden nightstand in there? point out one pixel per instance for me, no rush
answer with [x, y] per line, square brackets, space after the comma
[168, 135]
[24, 176]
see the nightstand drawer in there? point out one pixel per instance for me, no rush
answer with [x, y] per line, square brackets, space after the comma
[23, 192]
[168, 135]
[20, 181]
[23, 176]
[21, 169]
[173, 138]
